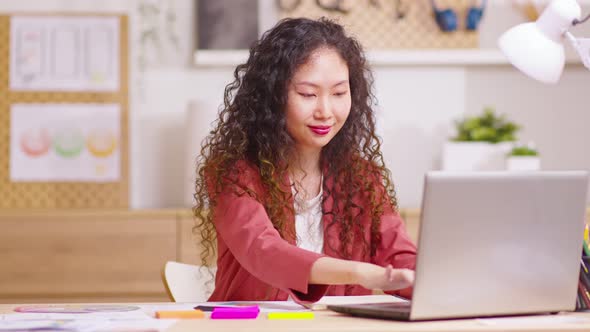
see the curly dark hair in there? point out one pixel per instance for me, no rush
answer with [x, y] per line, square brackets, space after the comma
[251, 127]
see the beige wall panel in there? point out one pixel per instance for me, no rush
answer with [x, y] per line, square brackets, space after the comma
[88, 255]
[189, 243]
[412, 219]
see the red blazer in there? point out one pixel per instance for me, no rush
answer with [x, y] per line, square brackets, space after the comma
[255, 263]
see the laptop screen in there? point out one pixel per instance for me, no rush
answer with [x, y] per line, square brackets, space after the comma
[499, 243]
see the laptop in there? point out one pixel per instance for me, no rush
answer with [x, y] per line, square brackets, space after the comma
[494, 244]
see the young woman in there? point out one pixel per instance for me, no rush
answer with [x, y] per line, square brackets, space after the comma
[291, 183]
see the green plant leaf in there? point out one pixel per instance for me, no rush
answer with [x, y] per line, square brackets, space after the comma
[523, 151]
[487, 127]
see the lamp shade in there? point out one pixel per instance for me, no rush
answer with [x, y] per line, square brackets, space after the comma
[536, 48]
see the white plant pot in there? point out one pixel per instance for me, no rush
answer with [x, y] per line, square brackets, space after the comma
[475, 156]
[523, 163]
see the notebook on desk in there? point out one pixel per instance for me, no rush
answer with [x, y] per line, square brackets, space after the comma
[494, 244]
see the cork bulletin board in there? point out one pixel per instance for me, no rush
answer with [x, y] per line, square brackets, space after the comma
[63, 194]
[394, 24]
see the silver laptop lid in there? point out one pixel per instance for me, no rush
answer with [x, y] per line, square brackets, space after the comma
[499, 243]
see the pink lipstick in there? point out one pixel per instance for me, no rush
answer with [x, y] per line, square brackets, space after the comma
[320, 130]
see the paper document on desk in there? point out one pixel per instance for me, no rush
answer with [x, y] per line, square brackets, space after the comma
[265, 306]
[150, 309]
[25, 323]
[130, 315]
[278, 306]
[80, 318]
[533, 321]
[325, 301]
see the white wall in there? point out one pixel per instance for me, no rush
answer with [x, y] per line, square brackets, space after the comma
[417, 105]
[555, 117]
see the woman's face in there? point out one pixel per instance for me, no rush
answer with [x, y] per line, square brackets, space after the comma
[318, 100]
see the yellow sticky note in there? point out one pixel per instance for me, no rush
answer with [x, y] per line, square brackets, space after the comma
[586, 234]
[290, 315]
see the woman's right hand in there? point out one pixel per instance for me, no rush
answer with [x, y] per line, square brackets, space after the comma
[334, 271]
[387, 278]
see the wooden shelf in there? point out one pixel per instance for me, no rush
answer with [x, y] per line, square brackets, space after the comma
[104, 213]
[427, 57]
[101, 255]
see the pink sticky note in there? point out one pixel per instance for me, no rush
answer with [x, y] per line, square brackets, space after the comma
[235, 312]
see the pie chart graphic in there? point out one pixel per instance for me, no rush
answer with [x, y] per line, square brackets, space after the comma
[101, 143]
[68, 143]
[35, 142]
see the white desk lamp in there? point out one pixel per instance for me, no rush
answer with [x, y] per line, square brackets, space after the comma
[536, 48]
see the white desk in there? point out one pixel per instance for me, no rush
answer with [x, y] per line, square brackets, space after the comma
[327, 321]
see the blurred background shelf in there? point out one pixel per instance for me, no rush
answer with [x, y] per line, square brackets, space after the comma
[426, 57]
[101, 255]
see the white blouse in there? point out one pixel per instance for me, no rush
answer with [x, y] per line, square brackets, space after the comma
[308, 222]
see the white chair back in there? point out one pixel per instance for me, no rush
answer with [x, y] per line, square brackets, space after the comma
[188, 283]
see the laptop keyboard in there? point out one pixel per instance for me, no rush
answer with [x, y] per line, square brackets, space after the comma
[396, 305]
[397, 310]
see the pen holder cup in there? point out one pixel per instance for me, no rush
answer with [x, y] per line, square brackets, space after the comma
[583, 297]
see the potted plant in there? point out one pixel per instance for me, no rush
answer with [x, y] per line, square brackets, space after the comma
[481, 142]
[523, 158]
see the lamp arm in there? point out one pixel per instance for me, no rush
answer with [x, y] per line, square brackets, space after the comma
[576, 21]
[582, 46]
